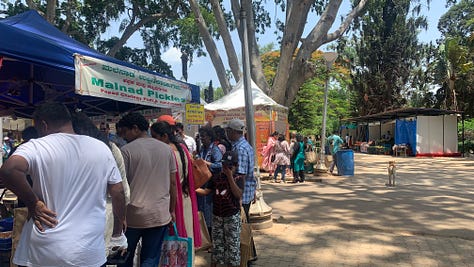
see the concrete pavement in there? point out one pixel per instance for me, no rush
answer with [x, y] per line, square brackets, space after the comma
[426, 220]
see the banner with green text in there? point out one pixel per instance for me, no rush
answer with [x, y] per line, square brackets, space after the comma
[96, 77]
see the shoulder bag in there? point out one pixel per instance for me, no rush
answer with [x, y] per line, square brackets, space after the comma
[201, 172]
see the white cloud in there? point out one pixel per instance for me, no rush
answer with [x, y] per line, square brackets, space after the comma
[172, 56]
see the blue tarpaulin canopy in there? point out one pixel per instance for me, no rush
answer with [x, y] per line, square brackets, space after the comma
[37, 65]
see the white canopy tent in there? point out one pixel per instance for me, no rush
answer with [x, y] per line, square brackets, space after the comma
[269, 115]
[236, 99]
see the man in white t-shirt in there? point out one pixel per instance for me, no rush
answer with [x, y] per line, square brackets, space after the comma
[151, 173]
[71, 176]
[190, 142]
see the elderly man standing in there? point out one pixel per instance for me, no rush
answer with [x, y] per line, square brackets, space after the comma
[71, 175]
[246, 155]
[151, 169]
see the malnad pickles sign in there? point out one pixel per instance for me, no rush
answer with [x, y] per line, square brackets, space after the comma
[96, 77]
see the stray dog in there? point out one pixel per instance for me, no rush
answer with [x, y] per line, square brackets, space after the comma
[392, 173]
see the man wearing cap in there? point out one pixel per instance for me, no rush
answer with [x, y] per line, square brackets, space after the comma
[172, 122]
[235, 132]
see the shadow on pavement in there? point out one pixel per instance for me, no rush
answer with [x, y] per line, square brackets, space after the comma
[426, 219]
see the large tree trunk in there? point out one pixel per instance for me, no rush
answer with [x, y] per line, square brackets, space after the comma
[226, 38]
[69, 17]
[293, 71]
[211, 47]
[51, 11]
[295, 21]
[256, 69]
[300, 68]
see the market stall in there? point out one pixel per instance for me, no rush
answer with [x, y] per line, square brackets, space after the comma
[269, 115]
[417, 131]
[40, 63]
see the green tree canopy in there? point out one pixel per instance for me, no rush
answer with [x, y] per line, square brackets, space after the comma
[305, 113]
[386, 50]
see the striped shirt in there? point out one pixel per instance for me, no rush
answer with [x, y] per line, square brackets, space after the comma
[225, 204]
[246, 165]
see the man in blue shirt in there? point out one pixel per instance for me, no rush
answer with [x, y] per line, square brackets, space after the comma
[235, 133]
[336, 145]
[246, 155]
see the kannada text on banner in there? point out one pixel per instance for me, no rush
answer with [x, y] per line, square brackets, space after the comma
[96, 77]
[195, 114]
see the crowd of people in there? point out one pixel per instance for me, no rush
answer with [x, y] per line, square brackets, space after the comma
[284, 158]
[92, 194]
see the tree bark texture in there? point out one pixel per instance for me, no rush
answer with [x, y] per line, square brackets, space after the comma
[211, 47]
[226, 38]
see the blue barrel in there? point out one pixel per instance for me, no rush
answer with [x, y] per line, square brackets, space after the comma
[345, 162]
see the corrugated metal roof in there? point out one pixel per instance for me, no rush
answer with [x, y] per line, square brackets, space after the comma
[401, 113]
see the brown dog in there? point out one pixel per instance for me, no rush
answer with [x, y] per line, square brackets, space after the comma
[392, 173]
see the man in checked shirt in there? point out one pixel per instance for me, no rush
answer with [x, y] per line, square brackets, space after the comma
[235, 132]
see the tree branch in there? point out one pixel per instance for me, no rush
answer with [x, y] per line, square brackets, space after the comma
[131, 29]
[226, 38]
[210, 47]
[347, 22]
[256, 68]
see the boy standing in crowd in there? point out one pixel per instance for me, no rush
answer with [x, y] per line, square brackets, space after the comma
[226, 219]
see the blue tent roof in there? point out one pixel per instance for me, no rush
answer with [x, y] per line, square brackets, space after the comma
[37, 64]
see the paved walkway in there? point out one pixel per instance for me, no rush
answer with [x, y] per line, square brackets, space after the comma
[426, 220]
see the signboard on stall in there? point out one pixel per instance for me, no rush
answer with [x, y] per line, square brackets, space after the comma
[195, 114]
[266, 122]
[96, 77]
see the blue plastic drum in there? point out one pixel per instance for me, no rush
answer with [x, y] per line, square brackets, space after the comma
[345, 162]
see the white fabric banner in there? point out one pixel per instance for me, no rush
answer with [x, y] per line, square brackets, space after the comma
[96, 77]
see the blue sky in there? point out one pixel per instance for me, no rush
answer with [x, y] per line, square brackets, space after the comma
[202, 71]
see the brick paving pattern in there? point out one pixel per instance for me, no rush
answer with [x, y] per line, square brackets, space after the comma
[426, 220]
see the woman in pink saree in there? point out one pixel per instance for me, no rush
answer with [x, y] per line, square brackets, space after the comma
[268, 154]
